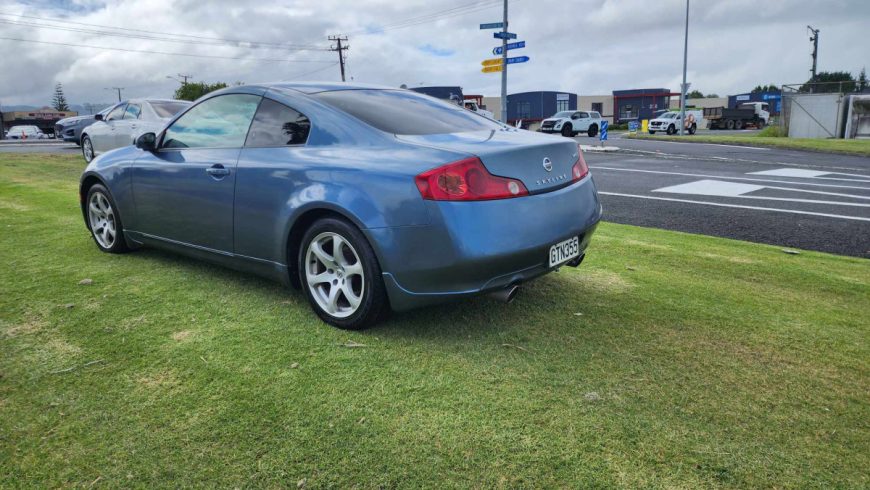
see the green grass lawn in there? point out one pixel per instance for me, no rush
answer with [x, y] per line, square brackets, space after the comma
[848, 147]
[665, 360]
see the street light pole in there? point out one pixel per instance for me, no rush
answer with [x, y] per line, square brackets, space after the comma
[504, 68]
[684, 88]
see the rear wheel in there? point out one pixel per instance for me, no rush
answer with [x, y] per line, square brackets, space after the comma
[729, 124]
[104, 220]
[87, 148]
[693, 128]
[567, 130]
[592, 131]
[341, 276]
[738, 124]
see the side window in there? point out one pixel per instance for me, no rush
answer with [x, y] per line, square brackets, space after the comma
[219, 122]
[584, 115]
[277, 125]
[595, 115]
[132, 111]
[117, 113]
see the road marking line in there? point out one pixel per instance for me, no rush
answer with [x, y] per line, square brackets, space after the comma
[750, 179]
[739, 206]
[702, 158]
[808, 174]
[707, 144]
[718, 188]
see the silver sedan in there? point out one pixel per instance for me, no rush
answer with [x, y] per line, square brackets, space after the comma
[125, 122]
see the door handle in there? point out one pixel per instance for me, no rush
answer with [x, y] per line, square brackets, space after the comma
[217, 170]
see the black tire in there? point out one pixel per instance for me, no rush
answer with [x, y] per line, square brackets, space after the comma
[568, 130]
[374, 304]
[738, 124]
[693, 128]
[760, 124]
[119, 243]
[671, 129]
[652, 132]
[729, 124]
[592, 131]
[87, 148]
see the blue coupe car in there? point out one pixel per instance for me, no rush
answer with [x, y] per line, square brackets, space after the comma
[367, 198]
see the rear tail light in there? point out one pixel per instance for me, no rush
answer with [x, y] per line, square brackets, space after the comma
[580, 169]
[466, 180]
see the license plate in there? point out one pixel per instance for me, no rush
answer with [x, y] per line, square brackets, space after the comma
[564, 251]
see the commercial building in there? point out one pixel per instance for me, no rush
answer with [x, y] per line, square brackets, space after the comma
[602, 104]
[451, 93]
[700, 103]
[533, 107]
[43, 118]
[774, 100]
[642, 103]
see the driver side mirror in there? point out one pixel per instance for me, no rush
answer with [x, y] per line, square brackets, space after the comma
[147, 142]
[98, 117]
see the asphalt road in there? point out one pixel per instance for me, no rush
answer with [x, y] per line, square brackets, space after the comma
[814, 201]
[48, 146]
[808, 200]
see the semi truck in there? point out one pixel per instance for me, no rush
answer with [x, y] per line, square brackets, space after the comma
[747, 114]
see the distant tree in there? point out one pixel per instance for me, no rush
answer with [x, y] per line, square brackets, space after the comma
[862, 80]
[830, 82]
[193, 91]
[765, 88]
[59, 100]
[712, 96]
[695, 94]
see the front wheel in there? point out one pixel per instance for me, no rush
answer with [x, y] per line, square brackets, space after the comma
[672, 129]
[652, 132]
[567, 131]
[341, 276]
[692, 129]
[104, 220]
[592, 131]
[87, 148]
[760, 124]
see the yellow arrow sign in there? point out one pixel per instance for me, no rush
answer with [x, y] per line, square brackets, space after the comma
[491, 69]
[491, 61]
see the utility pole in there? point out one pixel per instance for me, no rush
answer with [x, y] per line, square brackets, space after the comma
[504, 67]
[184, 78]
[815, 40]
[119, 89]
[338, 47]
[2, 123]
[684, 87]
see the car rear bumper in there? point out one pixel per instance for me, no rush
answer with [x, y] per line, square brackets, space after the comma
[471, 248]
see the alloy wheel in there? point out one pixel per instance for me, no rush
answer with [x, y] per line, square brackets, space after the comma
[88, 149]
[101, 217]
[335, 274]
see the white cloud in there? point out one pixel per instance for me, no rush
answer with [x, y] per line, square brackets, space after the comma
[588, 47]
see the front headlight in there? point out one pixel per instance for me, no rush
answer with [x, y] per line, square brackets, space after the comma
[558, 125]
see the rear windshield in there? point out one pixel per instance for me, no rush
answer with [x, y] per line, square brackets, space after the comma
[406, 112]
[168, 109]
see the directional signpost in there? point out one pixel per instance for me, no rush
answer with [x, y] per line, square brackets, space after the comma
[492, 25]
[517, 45]
[492, 68]
[491, 61]
[517, 59]
[504, 35]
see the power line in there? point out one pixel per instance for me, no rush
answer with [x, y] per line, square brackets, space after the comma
[250, 45]
[437, 15]
[297, 77]
[190, 36]
[163, 52]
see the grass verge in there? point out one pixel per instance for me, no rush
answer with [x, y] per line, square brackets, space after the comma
[666, 360]
[847, 147]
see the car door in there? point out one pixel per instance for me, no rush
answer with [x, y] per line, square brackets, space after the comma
[102, 133]
[127, 125]
[184, 190]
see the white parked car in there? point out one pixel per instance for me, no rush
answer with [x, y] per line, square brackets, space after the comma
[669, 122]
[572, 123]
[473, 107]
[126, 122]
[25, 133]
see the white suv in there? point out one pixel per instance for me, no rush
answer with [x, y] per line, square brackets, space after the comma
[572, 123]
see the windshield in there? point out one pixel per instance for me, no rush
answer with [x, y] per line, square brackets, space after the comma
[668, 115]
[405, 112]
[167, 109]
[563, 114]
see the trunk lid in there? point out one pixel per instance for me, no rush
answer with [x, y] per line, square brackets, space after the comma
[521, 155]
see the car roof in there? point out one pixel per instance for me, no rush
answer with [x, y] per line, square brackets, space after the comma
[314, 87]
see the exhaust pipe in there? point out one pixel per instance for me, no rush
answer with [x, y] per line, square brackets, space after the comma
[505, 295]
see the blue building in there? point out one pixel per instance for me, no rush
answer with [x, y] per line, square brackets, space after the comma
[774, 99]
[536, 106]
[640, 103]
[453, 94]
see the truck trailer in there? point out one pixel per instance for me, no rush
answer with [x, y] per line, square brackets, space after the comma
[748, 114]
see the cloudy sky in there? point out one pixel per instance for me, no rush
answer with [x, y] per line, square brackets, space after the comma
[583, 46]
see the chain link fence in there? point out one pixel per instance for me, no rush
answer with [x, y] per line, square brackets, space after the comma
[815, 109]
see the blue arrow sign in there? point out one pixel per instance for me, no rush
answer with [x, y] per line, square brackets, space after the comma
[516, 45]
[492, 25]
[517, 59]
[504, 35]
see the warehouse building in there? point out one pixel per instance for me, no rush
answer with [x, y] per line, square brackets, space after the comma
[637, 104]
[533, 107]
[774, 100]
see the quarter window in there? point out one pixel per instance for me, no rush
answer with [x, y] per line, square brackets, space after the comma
[132, 111]
[219, 122]
[277, 125]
